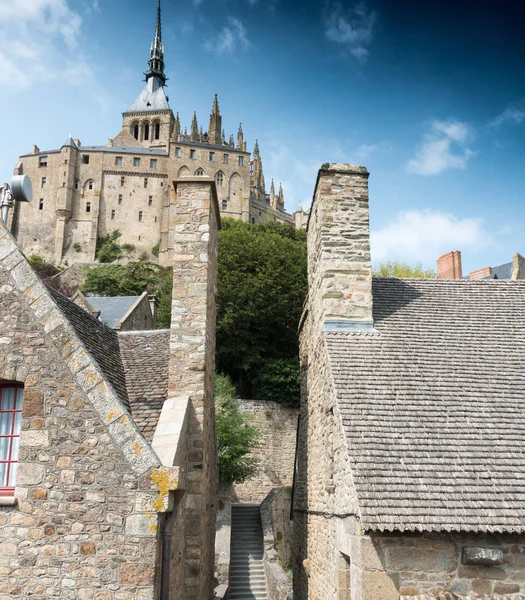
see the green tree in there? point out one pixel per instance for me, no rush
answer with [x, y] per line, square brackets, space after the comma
[108, 248]
[400, 270]
[278, 380]
[262, 287]
[236, 437]
[133, 279]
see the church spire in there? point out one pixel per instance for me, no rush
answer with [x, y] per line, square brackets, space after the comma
[156, 58]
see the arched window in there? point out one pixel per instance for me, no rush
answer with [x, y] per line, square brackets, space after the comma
[11, 397]
[219, 179]
[157, 131]
[183, 172]
[90, 184]
[136, 131]
[199, 173]
[146, 131]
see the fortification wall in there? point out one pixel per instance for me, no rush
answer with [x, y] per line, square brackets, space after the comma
[278, 425]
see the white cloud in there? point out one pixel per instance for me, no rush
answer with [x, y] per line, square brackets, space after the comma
[422, 236]
[365, 151]
[232, 36]
[45, 45]
[351, 27]
[510, 116]
[443, 148]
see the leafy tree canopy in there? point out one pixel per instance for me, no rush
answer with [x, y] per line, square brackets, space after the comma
[262, 288]
[236, 437]
[400, 270]
[278, 380]
[133, 279]
[108, 248]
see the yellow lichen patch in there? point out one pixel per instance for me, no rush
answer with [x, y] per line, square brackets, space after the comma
[112, 414]
[137, 449]
[153, 528]
[163, 481]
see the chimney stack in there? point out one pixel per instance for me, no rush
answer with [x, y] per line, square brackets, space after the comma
[481, 273]
[449, 265]
[339, 265]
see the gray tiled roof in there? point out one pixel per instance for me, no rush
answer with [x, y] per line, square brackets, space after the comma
[112, 308]
[124, 150]
[502, 271]
[100, 341]
[145, 355]
[432, 405]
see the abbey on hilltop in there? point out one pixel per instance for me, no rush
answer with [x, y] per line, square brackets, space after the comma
[82, 193]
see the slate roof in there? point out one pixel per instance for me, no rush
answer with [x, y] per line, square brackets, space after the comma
[502, 271]
[145, 355]
[151, 98]
[112, 308]
[432, 405]
[100, 341]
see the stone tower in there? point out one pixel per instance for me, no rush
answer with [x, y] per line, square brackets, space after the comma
[150, 119]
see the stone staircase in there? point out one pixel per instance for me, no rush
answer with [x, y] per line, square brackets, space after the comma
[247, 577]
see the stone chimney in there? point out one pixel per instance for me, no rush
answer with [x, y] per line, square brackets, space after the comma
[449, 265]
[339, 266]
[518, 266]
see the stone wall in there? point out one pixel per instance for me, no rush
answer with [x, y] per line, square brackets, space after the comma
[277, 531]
[426, 565]
[139, 317]
[339, 275]
[278, 426]
[84, 491]
[324, 500]
[194, 221]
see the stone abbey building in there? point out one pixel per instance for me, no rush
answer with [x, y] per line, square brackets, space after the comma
[85, 192]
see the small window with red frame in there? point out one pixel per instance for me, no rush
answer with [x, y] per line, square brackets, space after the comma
[11, 398]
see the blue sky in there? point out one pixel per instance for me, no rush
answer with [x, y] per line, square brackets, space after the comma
[428, 95]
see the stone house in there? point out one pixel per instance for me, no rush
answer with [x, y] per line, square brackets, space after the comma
[123, 313]
[108, 464]
[83, 192]
[410, 473]
[449, 267]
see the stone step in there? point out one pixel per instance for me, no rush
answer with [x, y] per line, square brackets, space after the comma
[247, 575]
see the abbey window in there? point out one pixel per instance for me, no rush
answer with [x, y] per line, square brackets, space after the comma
[118, 161]
[153, 163]
[157, 131]
[43, 161]
[136, 162]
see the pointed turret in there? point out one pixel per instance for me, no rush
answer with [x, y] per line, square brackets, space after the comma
[280, 198]
[272, 194]
[156, 58]
[223, 138]
[231, 143]
[257, 187]
[69, 142]
[194, 128]
[215, 128]
[176, 126]
[240, 138]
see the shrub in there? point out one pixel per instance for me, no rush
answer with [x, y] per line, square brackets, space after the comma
[278, 380]
[236, 437]
[108, 249]
[77, 247]
[155, 250]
